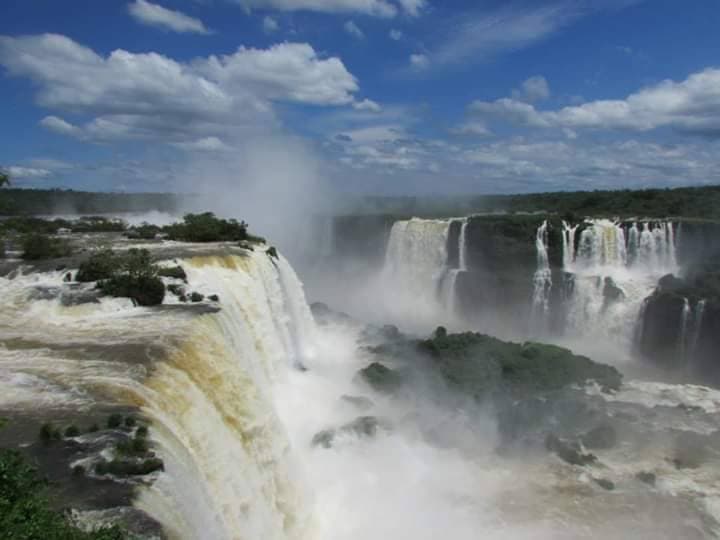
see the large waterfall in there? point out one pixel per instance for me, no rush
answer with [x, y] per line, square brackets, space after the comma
[204, 378]
[612, 268]
[414, 274]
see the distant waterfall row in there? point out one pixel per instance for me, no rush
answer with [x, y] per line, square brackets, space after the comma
[417, 274]
[608, 269]
[604, 245]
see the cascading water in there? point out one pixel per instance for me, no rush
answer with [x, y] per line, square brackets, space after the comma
[204, 379]
[697, 327]
[542, 284]
[415, 265]
[615, 268]
[448, 287]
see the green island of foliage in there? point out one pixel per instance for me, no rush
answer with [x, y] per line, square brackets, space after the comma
[130, 275]
[484, 367]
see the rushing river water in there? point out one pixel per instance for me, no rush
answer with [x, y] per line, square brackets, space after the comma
[235, 392]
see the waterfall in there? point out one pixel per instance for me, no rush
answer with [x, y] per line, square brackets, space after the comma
[697, 321]
[205, 378]
[568, 235]
[414, 276]
[633, 257]
[542, 283]
[463, 248]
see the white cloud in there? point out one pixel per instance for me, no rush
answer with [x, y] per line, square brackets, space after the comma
[367, 105]
[286, 72]
[353, 29]
[58, 125]
[413, 7]
[270, 25]
[27, 173]
[510, 110]
[480, 34]
[378, 8]
[419, 61]
[395, 34]
[151, 96]
[690, 106]
[155, 15]
[207, 144]
[533, 89]
[471, 127]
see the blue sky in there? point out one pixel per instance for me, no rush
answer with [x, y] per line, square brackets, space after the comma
[374, 96]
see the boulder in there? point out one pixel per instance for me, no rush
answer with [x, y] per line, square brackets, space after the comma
[569, 452]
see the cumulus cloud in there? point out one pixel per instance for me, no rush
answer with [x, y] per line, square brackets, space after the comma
[691, 106]
[413, 7]
[155, 15]
[58, 125]
[572, 164]
[533, 89]
[378, 8]
[286, 72]
[395, 34]
[471, 127]
[353, 29]
[367, 105]
[270, 25]
[148, 95]
[419, 61]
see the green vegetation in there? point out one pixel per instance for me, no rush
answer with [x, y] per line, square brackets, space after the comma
[121, 467]
[207, 227]
[692, 202]
[25, 510]
[114, 421]
[130, 275]
[483, 367]
[381, 378]
[4, 179]
[145, 231]
[40, 246]
[17, 202]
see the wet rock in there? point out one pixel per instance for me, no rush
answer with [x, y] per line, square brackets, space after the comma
[362, 427]
[68, 277]
[196, 297]
[44, 293]
[568, 451]
[611, 292]
[174, 272]
[602, 437]
[646, 478]
[214, 298]
[78, 296]
[359, 402]
[604, 483]
[177, 290]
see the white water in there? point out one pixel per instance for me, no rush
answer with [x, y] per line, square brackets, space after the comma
[233, 419]
[634, 261]
[229, 472]
[414, 282]
[696, 327]
[542, 285]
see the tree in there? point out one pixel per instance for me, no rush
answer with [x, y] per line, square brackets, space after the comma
[4, 178]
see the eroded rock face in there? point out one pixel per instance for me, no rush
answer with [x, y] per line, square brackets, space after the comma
[568, 451]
